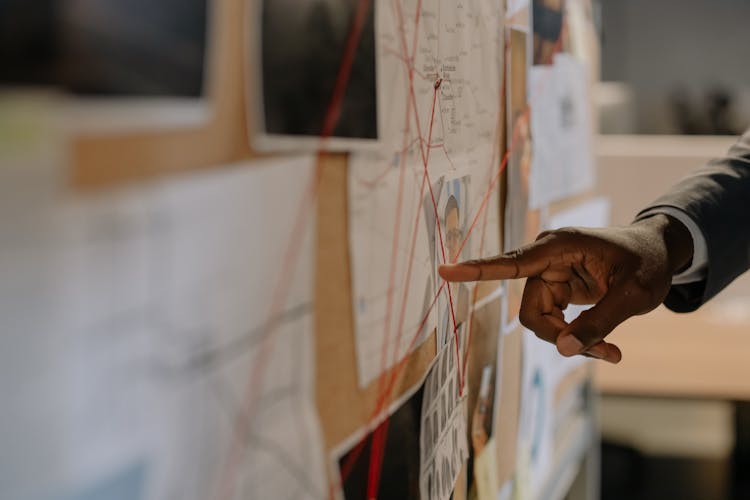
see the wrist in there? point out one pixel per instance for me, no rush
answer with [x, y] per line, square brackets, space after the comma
[676, 239]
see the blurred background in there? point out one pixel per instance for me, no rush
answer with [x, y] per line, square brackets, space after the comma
[105, 47]
[673, 67]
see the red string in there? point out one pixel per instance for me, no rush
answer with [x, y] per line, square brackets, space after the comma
[331, 118]
[255, 382]
[380, 437]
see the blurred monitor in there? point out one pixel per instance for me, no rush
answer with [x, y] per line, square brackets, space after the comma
[108, 53]
[303, 43]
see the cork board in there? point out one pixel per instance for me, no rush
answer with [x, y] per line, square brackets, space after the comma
[99, 161]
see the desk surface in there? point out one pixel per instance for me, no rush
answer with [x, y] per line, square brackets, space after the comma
[705, 354]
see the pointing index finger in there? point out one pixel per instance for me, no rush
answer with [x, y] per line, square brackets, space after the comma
[523, 263]
[496, 268]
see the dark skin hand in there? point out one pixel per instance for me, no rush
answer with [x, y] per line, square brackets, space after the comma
[623, 271]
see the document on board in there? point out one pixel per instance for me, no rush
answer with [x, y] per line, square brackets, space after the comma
[439, 116]
[562, 161]
[516, 5]
[393, 282]
[159, 366]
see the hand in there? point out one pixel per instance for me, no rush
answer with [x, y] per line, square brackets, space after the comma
[623, 271]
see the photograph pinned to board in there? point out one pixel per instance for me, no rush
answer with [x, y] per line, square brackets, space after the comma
[399, 435]
[453, 210]
[123, 65]
[521, 224]
[299, 102]
[549, 29]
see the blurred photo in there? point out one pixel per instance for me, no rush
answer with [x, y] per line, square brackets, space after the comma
[399, 470]
[302, 47]
[106, 47]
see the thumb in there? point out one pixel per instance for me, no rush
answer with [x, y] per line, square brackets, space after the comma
[590, 328]
[530, 260]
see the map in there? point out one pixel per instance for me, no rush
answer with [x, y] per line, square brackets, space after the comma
[439, 79]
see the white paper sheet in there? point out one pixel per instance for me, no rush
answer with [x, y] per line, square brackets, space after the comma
[563, 163]
[457, 66]
[535, 437]
[379, 223]
[391, 250]
[133, 361]
[448, 123]
[592, 213]
[443, 443]
[515, 5]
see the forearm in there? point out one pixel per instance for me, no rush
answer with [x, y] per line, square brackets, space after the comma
[673, 235]
[716, 197]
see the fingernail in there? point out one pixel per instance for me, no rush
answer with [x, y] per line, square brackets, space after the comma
[569, 345]
[459, 272]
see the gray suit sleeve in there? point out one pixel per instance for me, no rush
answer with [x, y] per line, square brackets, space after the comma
[717, 198]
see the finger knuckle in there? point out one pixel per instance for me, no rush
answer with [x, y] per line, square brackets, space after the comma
[526, 318]
[516, 253]
[544, 234]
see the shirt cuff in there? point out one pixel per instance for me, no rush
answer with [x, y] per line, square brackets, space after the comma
[699, 266]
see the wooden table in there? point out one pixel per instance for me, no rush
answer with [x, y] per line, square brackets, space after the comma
[705, 354]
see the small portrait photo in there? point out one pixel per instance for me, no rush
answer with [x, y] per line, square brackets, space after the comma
[452, 226]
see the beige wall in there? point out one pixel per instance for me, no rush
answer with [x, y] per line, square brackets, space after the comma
[633, 170]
